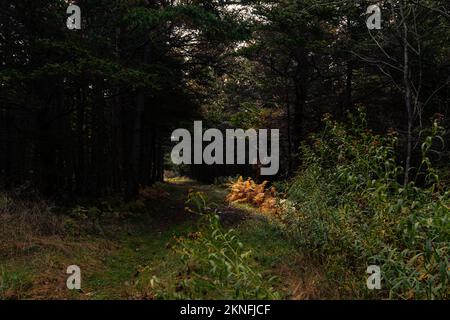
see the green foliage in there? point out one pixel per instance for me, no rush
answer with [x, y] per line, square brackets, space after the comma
[217, 264]
[225, 181]
[348, 207]
[4, 201]
[249, 116]
[12, 284]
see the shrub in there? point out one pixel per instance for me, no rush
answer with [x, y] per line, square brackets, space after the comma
[349, 208]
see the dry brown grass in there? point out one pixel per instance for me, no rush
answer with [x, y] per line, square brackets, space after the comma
[153, 193]
[306, 280]
[23, 221]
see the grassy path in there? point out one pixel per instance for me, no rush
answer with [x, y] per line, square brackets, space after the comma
[114, 259]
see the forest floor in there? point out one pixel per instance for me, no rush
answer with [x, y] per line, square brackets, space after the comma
[112, 251]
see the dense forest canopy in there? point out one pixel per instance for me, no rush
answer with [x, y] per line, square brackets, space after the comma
[90, 111]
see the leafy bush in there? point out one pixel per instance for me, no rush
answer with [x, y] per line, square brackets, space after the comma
[348, 206]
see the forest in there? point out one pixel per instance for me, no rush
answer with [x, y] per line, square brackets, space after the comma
[342, 105]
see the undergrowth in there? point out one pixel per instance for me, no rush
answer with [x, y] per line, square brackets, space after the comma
[217, 265]
[257, 195]
[347, 205]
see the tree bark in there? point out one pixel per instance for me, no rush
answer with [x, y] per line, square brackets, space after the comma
[407, 87]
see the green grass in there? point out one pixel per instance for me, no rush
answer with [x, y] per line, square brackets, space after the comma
[114, 263]
[35, 266]
[121, 266]
[299, 276]
[133, 258]
[108, 265]
[16, 281]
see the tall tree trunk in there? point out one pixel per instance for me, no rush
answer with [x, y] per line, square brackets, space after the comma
[136, 139]
[117, 162]
[289, 133]
[299, 113]
[98, 143]
[80, 170]
[407, 88]
[348, 85]
[134, 162]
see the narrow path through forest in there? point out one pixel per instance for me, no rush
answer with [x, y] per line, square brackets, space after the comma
[117, 254]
